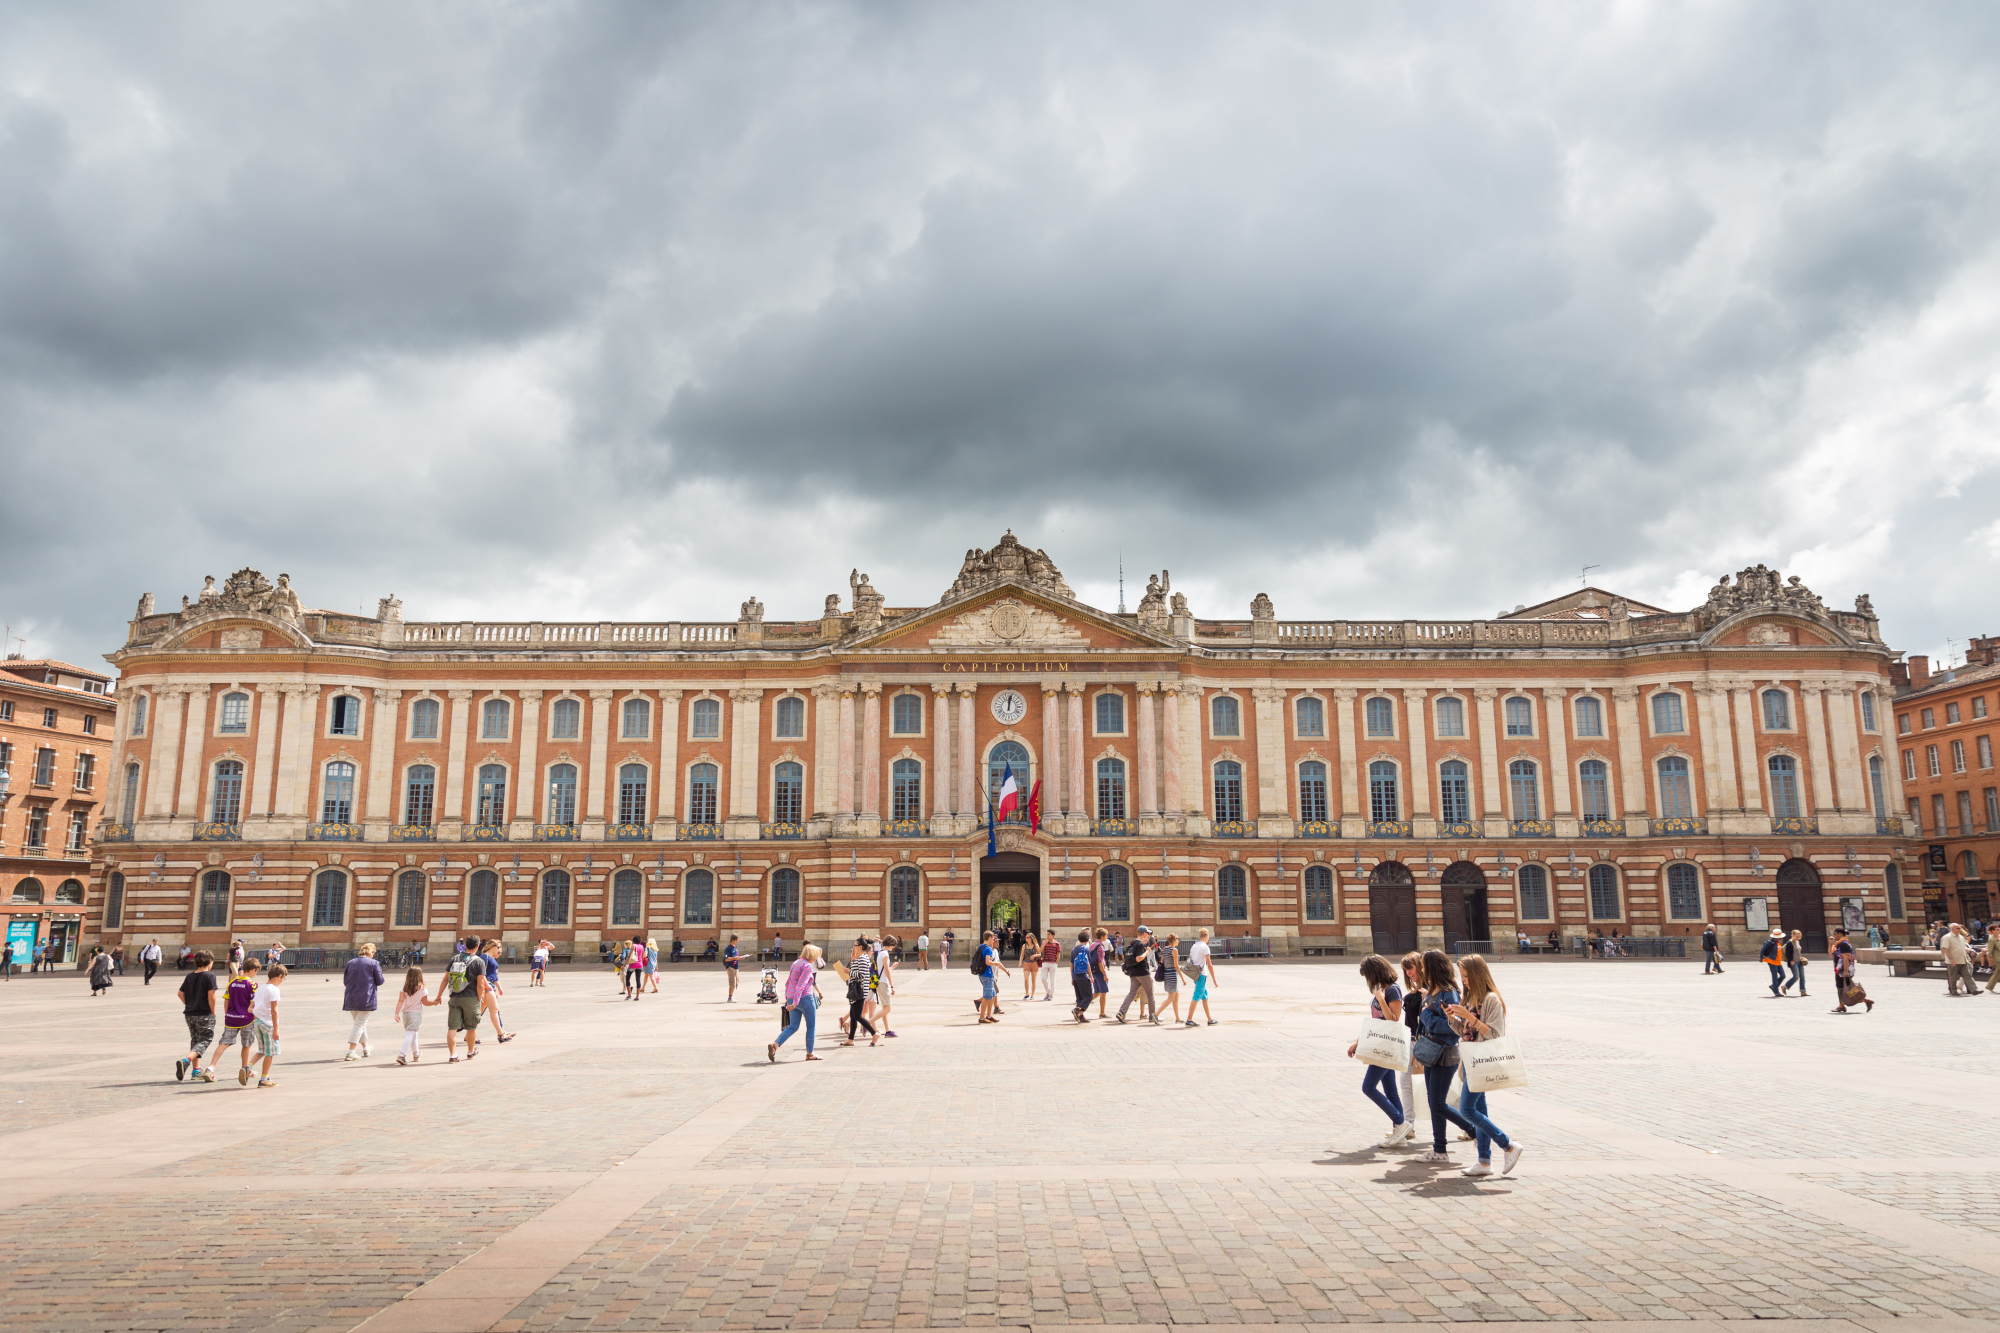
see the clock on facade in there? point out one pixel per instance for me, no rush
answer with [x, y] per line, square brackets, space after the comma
[1009, 707]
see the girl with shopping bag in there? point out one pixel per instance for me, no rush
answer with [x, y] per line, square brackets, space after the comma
[1384, 1043]
[1492, 1060]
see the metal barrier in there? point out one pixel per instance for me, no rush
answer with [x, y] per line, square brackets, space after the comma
[1632, 946]
[1485, 948]
[1253, 947]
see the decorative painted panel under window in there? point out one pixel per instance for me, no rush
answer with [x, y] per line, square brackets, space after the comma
[566, 719]
[788, 718]
[906, 788]
[1524, 785]
[1114, 893]
[1534, 886]
[1225, 716]
[1520, 717]
[495, 717]
[636, 719]
[344, 716]
[1676, 794]
[1784, 787]
[784, 896]
[1604, 898]
[633, 781]
[227, 805]
[139, 702]
[329, 907]
[1229, 790]
[1311, 718]
[1312, 791]
[1381, 716]
[114, 900]
[1454, 792]
[705, 719]
[906, 715]
[698, 898]
[1232, 894]
[789, 794]
[1683, 893]
[130, 796]
[412, 889]
[562, 795]
[1595, 781]
[555, 898]
[627, 895]
[1450, 714]
[234, 717]
[701, 793]
[1777, 710]
[212, 912]
[905, 897]
[1383, 803]
[424, 720]
[482, 899]
[336, 799]
[1111, 714]
[1319, 894]
[1111, 789]
[492, 795]
[1667, 717]
[1868, 710]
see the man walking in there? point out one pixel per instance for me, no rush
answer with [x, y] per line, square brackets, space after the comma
[1772, 955]
[989, 985]
[1203, 971]
[7, 960]
[732, 960]
[465, 979]
[1711, 955]
[1957, 951]
[1139, 975]
[150, 956]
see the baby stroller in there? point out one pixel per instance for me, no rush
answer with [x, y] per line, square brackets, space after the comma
[767, 988]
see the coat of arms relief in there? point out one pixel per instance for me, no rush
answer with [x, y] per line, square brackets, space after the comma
[1005, 624]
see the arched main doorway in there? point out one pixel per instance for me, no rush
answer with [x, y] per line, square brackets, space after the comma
[1464, 893]
[1801, 903]
[1392, 908]
[1010, 892]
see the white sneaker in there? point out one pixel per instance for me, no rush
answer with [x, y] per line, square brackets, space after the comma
[350, 1056]
[1406, 1130]
[1395, 1137]
[1478, 1169]
[1444, 1157]
[1513, 1156]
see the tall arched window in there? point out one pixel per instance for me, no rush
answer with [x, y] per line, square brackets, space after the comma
[114, 899]
[705, 720]
[555, 898]
[1868, 710]
[1319, 893]
[1381, 716]
[1114, 893]
[482, 899]
[1524, 785]
[1003, 756]
[424, 720]
[1683, 892]
[1450, 714]
[1384, 806]
[636, 719]
[411, 891]
[1225, 716]
[627, 893]
[129, 799]
[1785, 788]
[138, 715]
[1312, 791]
[212, 911]
[329, 906]
[1667, 718]
[632, 784]
[906, 715]
[419, 794]
[1534, 886]
[562, 795]
[1604, 905]
[1589, 716]
[784, 896]
[1968, 868]
[1229, 790]
[1874, 786]
[906, 788]
[492, 795]
[905, 897]
[28, 890]
[789, 718]
[344, 716]
[495, 717]
[565, 719]
[1777, 710]
[1111, 789]
[336, 795]
[1454, 792]
[1595, 781]
[1310, 717]
[788, 794]
[1676, 793]
[701, 794]
[1232, 894]
[71, 890]
[698, 898]
[1111, 714]
[1520, 716]
[227, 805]
[234, 719]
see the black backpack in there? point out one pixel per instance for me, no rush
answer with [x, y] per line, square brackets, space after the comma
[978, 968]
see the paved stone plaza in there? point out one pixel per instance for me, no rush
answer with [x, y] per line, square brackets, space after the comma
[1695, 1152]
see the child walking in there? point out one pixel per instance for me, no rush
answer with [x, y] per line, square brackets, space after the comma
[237, 1020]
[410, 1010]
[264, 1020]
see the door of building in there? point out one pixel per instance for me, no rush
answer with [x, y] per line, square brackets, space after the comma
[1463, 891]
[62, 940]
[1973, 904]
[1802, 904]
[1010, 887]
[1392, 909]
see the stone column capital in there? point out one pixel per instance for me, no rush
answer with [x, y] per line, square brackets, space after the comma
[1345, 693]
[530, 696]
[387, 696]
[460, 696]
[871, 689]
[670, 696]
[1625, 694]
[1148, 687]
[743, 695]
[942, 688]
[1486, 694]
[1416, 696]
[1268, 694]
[968, 688]
[1555, 694]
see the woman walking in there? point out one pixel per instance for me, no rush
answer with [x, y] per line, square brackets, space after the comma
[653, 963]
[1378, 1085]
[1436, 1049]
[859, 972]
[1795, 959]
[1169, 974]
[360, 979]
[1482, 1017]
[883, 965]
[1051, 964]
[635, 967]
[1412, 968]
[1031, 965]
[100, 972]
[801, 1001]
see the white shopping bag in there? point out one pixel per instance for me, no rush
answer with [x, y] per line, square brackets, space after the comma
[1493, 1065]
[1384, 1043]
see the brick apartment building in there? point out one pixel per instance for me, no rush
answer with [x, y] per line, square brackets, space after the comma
[1946, 728]
[56, 734]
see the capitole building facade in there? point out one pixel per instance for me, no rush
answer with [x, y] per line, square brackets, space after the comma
[1587, 765]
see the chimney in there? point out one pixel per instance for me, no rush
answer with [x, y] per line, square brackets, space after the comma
[1920, 672]
[1983, 650]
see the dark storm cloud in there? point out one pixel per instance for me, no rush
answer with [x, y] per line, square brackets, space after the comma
[609, 310]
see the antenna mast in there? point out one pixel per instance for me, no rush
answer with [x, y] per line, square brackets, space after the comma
[1583, 578]
[1121, 583]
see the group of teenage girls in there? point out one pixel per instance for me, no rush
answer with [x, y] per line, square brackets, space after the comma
[1443, 1005]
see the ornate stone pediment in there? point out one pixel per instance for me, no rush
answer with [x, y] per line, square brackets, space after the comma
[1009, 561]
[1007, 623]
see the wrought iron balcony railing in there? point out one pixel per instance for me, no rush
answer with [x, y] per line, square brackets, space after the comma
[218, 832]
[333, 833]
[1796, 824]
[631, 833]
[1318, 828]
[1389, 828]
[1461, 828]
[1603, 828]
[1677, 825]
[1531, 828]
[1233, 828]
[412, 833]
[485, 833]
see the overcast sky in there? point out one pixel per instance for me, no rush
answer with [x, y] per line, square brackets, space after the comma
[630, 312]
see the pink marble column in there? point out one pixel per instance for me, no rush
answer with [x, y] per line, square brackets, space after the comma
[941, 752]
[968, 751]
[1051, 746]
[871, 749]
[1149, 785]
[845, 778]
[1077, 796]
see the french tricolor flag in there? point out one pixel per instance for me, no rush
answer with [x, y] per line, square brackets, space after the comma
[1010, 795]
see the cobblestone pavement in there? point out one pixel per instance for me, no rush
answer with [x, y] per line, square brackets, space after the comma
[1696, 1153]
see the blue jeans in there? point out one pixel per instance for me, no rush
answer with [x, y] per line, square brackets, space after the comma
[1380, 1086]
[1712, 961]
[1777, 977]
[1437, 1088]
[1799, 976]
[1472, 1105]
[808, 1009]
